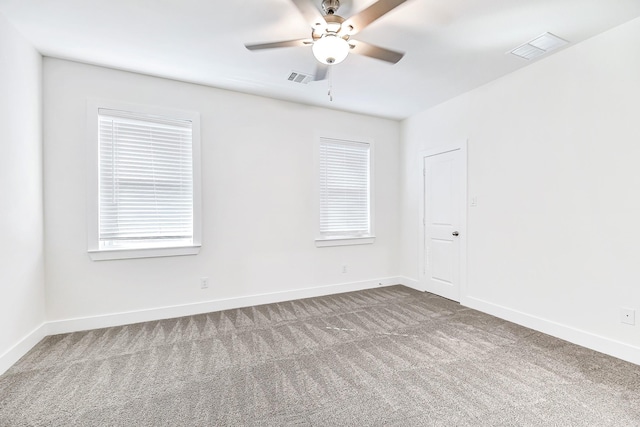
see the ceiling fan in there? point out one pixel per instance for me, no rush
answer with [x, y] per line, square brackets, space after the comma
[331, 34]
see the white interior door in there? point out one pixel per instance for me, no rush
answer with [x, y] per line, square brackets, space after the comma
[443, 201]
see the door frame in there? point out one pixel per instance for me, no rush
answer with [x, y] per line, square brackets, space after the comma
[441, 149]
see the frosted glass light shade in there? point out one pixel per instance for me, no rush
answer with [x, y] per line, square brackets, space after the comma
[330, 49]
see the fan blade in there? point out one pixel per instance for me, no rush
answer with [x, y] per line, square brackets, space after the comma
[377, 52]
[321, 72]
[370, 14]
[273, 45]
[309, 11]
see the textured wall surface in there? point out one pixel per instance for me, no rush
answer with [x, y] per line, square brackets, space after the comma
[553, 162]
[259, 207]
[21, 245]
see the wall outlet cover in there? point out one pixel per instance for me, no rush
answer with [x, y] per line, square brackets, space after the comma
[628, 316]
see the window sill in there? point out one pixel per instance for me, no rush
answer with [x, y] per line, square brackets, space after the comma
[344, 241]
[110, 254]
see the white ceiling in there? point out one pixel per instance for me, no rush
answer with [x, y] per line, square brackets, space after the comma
[451, 46]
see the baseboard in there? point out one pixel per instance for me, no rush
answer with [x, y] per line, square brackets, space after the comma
[14, 354]
[410, 283]
[582, 338]
[126, 318]
[586, 339]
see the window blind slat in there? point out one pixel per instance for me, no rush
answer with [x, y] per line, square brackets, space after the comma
[344, 188]
[145, 179]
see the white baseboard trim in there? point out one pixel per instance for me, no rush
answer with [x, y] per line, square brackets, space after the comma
[410, 283]
[595, 342]
[582, 338]
[126, 318]
[11, 356]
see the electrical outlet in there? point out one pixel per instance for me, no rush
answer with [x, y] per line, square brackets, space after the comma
[204, 282]
[344, 268]
[628, 316]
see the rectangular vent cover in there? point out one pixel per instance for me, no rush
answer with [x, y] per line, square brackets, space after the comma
[539, 46]
[297, 77]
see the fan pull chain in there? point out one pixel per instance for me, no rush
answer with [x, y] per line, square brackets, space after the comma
[330, 79]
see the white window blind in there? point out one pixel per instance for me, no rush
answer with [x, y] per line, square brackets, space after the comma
[145, 181]
[344, 189]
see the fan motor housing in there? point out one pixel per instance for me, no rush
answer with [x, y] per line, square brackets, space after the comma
[330, 6]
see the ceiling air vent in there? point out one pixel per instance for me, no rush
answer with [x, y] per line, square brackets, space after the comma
[538, 46]
[297, 77]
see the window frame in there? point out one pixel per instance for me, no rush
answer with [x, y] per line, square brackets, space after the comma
[93, 194]
[329, 241]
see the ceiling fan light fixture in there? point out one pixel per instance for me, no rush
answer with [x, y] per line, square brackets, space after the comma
[330, 49]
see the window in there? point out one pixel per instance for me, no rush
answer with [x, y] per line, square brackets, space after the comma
[345, 193]
[145, 192]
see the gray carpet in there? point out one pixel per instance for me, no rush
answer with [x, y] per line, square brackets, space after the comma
[388, 356]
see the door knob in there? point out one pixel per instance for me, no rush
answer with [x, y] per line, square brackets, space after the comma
[455, 233]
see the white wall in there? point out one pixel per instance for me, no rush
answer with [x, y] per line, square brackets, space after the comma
[259, 221]
[21, 246]
[553, 159]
